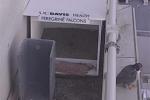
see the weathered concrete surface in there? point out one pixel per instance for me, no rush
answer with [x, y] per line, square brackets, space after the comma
[127, 44]
[78, 89]
[12, 32]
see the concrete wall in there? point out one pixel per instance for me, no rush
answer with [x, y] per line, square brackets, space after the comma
[144, 53]
[12, 32]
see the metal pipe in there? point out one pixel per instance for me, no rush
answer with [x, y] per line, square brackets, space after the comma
[139, 85]
[137, 57]
[111, 72]
[111, 53]
[112, 12]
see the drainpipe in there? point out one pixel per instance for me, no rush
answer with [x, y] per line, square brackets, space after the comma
[111, 37]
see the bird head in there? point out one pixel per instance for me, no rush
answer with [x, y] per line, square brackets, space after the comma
[138, 66]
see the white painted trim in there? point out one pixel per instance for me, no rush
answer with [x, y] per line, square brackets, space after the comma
[99, 47]
[90, 73]
[104, 77]
[146, 75]
[135, 36]
[73, 60]
[139, 95]
[143, 31]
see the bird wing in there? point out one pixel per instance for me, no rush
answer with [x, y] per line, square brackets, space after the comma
[127, 75]
[121, 76]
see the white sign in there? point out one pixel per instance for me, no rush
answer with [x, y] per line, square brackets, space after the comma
[48, 16]
[67, 11]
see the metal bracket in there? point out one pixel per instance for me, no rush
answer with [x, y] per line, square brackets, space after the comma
[111, 30]
[112, 44]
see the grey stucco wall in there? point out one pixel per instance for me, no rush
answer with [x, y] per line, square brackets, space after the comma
[12, 32]
[144, 53]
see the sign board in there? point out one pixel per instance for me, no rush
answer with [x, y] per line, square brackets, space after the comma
[67, 11]
[64, 17]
